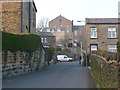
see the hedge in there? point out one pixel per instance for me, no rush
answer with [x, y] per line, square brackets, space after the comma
[118, 46]
[15, 42]
[50, 52]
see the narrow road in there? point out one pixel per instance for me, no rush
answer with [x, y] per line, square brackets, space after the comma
[60, 75]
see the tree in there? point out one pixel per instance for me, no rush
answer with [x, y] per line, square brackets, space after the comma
[42, 23]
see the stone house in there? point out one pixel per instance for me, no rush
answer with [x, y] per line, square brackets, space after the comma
[61, 28]
[78, 39]
[18, 16]
[47, 39]
[101, 34]
[78, 33]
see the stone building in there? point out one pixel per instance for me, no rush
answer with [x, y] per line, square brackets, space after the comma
[101, 34]
[18, 16]
[47, 39]
[61, 28]
[78, 33]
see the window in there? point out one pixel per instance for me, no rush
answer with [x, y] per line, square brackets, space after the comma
[53, 30]
[48, 30]
[93, 47]
[43, 40]
[112, 48]
[26, 27]
[111, 32]
[93, 32]
[58, 29]
[75, 33]
[67, 31]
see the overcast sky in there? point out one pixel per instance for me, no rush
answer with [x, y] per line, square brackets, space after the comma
[76, 9]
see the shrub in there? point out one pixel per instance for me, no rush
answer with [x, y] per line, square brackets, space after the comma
[15, 42]
[118, 46]
[50, 53]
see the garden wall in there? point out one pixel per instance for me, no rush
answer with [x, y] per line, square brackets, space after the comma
[21, 62]
[105, 69]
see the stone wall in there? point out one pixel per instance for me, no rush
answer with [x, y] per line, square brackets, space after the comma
[105, 72]
[21, 62]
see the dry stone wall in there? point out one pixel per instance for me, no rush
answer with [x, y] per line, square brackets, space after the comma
[21, 62]
[105, 69]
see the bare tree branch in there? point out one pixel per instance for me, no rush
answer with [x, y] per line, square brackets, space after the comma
[42, 23]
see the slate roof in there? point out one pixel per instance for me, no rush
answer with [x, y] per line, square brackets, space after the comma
[102, 21]
[59, 17]
[48, 34]
[54, 28]
[78, 27]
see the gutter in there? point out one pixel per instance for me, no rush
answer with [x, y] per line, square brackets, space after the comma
[29, 17]
[21, 16]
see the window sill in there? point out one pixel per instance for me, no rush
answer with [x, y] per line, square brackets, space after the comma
[93, 38]
[111, 38]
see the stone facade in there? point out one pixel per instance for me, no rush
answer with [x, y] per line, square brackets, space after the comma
[21, 62]
[47, 39]
[33, 18]
[28, 17]
[102, 24]
[62, 26]
[18, 17]
[61, 21]
[79, 35]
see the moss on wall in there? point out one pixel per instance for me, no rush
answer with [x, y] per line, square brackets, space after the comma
[15, 42]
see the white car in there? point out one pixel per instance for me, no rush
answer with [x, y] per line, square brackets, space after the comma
[64, 58]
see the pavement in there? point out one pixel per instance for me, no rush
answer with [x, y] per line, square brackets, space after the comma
[60, 75]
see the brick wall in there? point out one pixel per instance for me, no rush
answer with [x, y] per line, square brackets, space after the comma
[11, 14]
[18, 17]
[21, 62]
[106, 72]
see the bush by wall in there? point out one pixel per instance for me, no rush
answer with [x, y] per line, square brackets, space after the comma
[50, 53]
[109, 56]
[25, 42]
[105, 71]
[118, 46]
